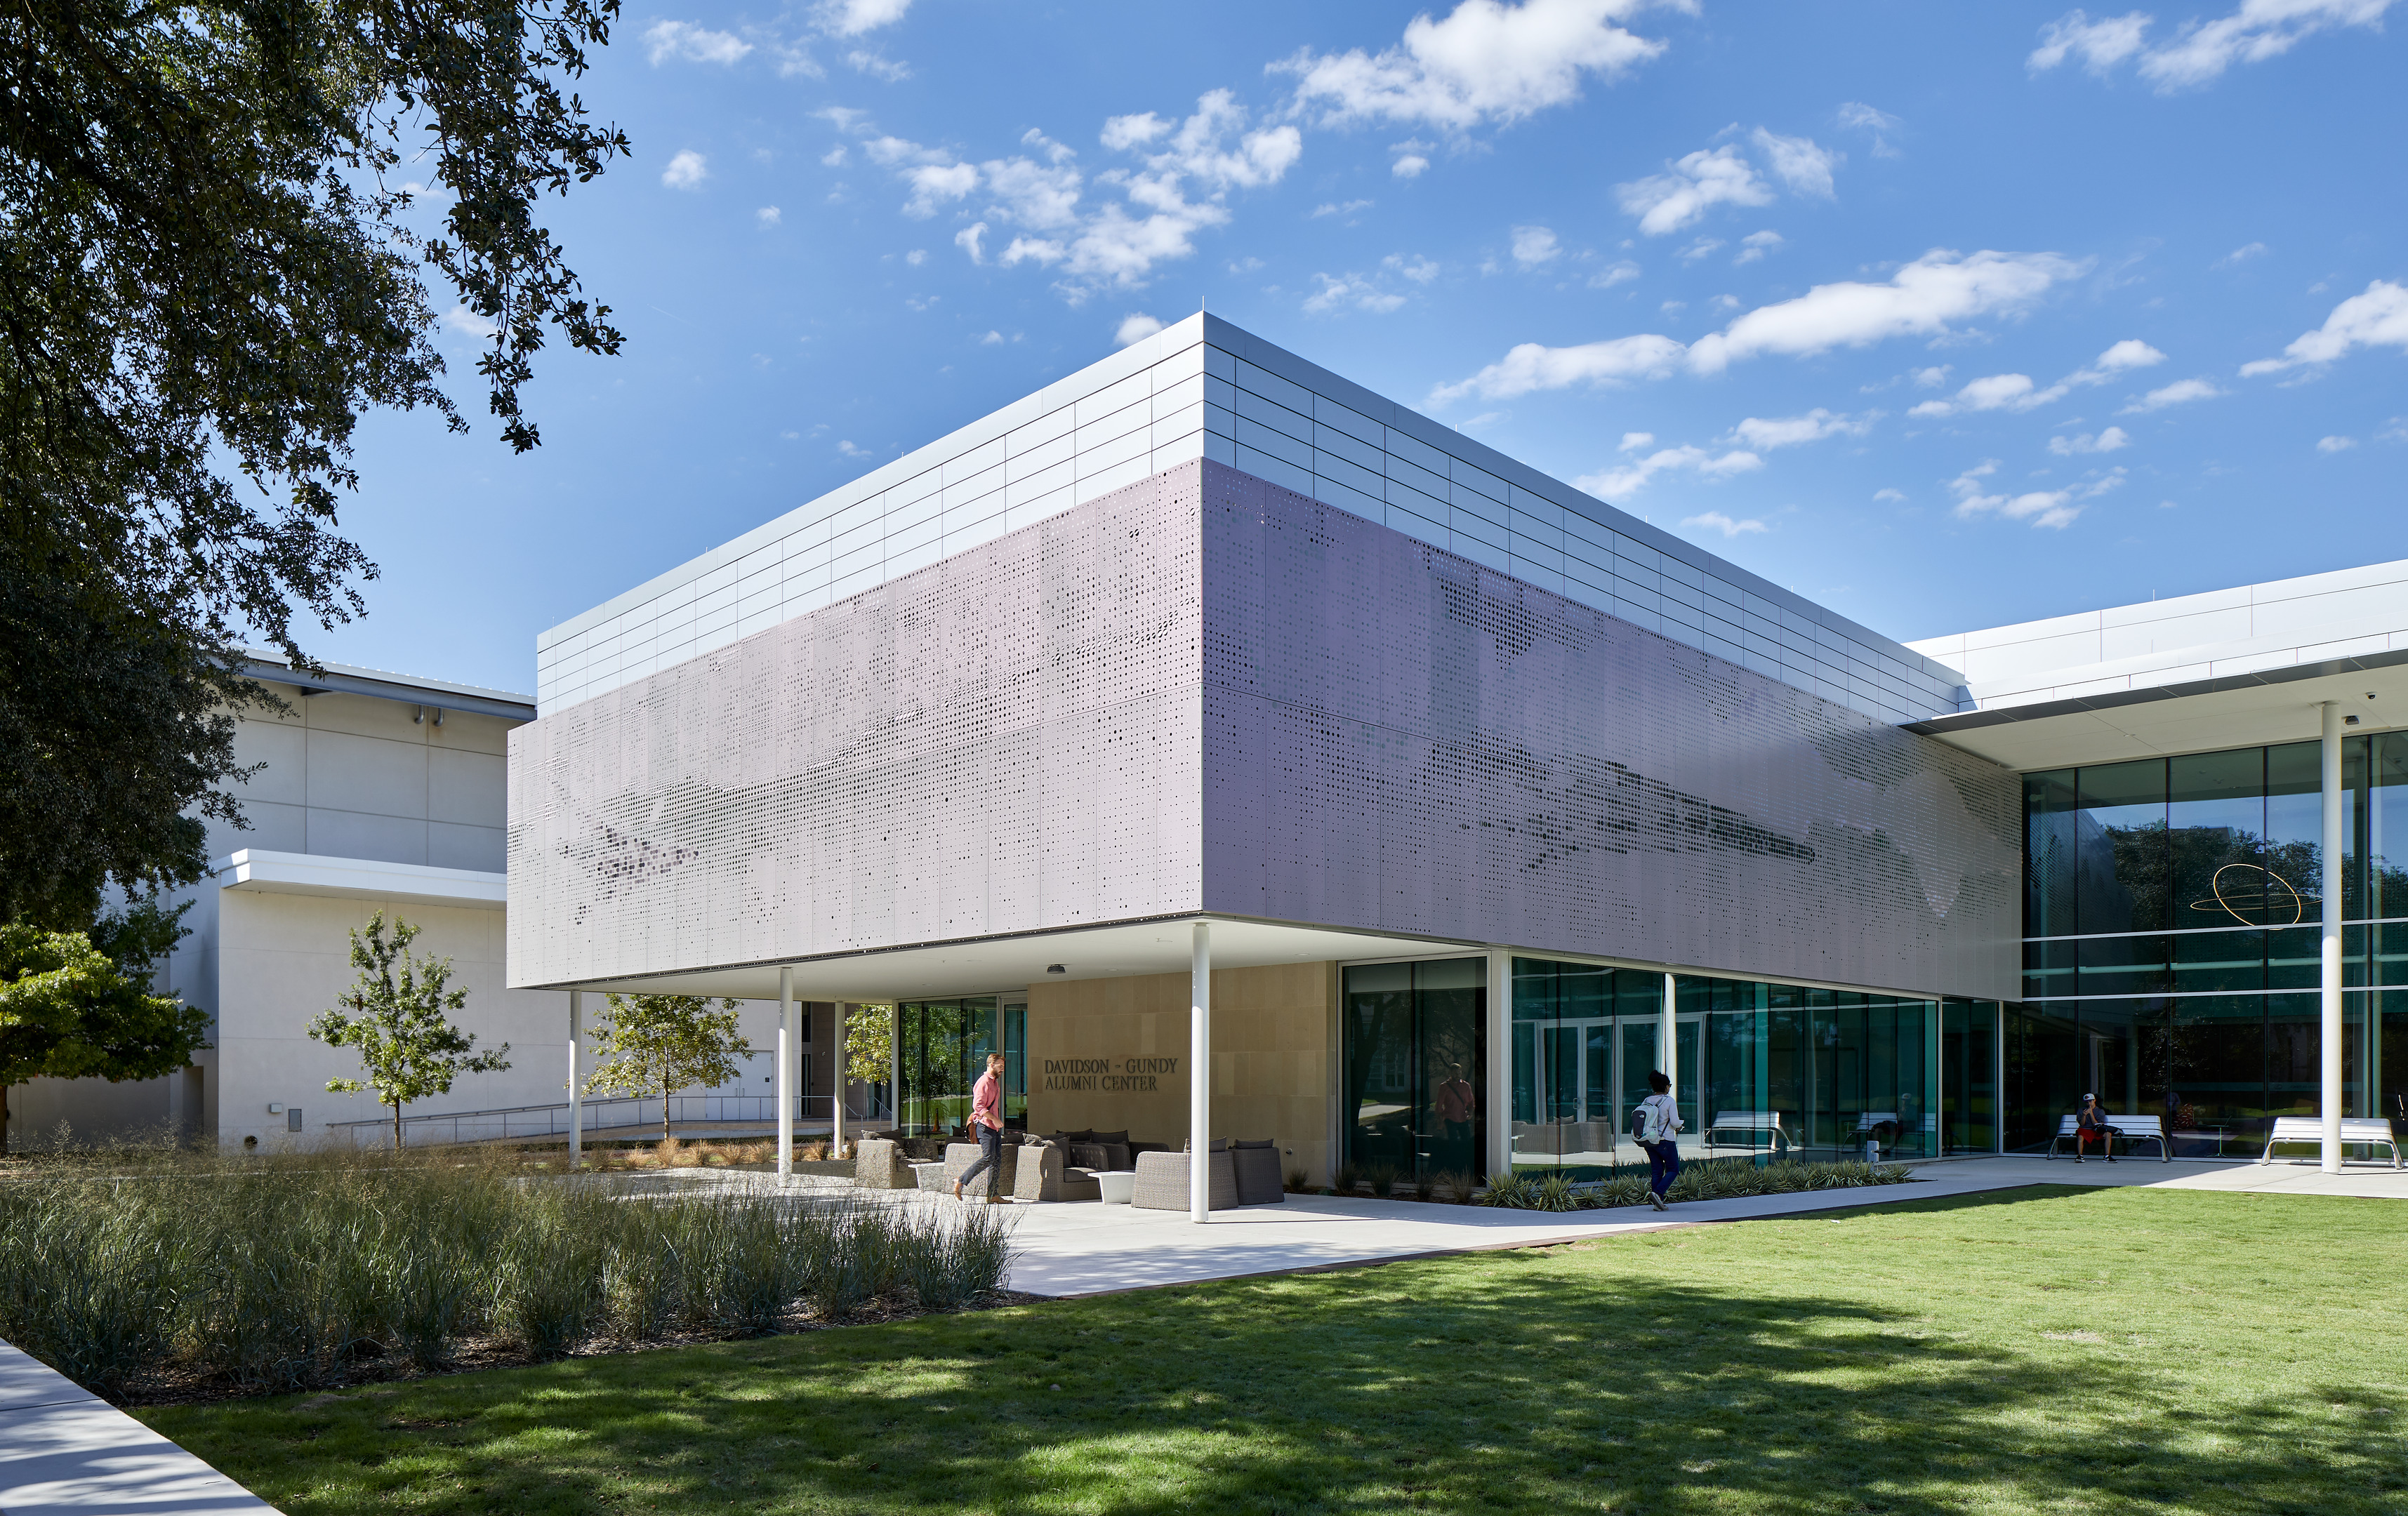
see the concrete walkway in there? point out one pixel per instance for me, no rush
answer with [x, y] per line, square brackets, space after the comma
[65, 1451]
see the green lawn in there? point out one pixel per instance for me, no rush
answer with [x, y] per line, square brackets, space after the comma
[2054, 1349]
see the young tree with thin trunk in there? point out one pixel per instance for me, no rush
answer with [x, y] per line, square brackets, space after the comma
[398, 1020]
[657, 1044]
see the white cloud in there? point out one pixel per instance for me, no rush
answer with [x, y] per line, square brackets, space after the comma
[1631, 478]
[2180, 391]
[1334, 208]
[2014, 392]
[1715, 521]
[1789, 431]
[916, 257]
[1705, 247]
[2378, 317]
[1756, 245]
[1856, 116]
[1633, 441]
[834, 157]
[2240, 255]
[1797, 163]
[693, 44]
[2200, 52]
[969, 241]
[1484, 63]
[2106, 441]
[861, 61]
[1534, 246]
[1922, 299]
[1665, 203]
[993, 340]
[2042, 507]
[686, 171]
[852, 18]
[1893, 496]
[1417, 268]
[460, 318]
[936, 185]
[767, 217]
[2335, 444]
[1409, 166]
[1613, 273]
[849, 451]
[2396, 430]
[1135, 327]
[2100, 44]
[1931, 379]
[1352, 290]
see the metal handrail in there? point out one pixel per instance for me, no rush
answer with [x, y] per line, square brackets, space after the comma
[602, 1113]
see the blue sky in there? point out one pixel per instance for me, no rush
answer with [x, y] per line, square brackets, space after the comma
[1943, 316]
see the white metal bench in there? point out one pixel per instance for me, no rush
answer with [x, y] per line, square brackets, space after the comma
[1755, 1124]
[2130, 1128]
[2355, 1132]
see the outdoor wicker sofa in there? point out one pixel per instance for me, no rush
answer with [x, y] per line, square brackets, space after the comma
[1043, 1174]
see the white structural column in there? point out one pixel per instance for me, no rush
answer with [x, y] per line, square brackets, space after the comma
[1668, 1040]
[576, 1080]
[786, 1054]
[838, 1078]
[1200, 1077]
[2328, 982]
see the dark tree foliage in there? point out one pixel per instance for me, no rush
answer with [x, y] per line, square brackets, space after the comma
[209, 272]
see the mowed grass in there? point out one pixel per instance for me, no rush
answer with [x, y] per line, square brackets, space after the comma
[2091, 1351]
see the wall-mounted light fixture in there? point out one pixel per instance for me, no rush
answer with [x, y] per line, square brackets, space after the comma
[1056, 969]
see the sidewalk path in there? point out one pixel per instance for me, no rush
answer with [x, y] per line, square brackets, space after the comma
[65, 1451]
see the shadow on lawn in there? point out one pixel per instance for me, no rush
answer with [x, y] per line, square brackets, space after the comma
[1529, 1383]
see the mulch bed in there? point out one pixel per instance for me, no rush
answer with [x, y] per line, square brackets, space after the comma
[472, 1355]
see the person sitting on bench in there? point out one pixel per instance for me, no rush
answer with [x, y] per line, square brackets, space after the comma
[2090, 1126]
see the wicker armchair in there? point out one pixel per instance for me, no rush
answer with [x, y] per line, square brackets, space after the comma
[1162, 1181]
[879, 1164]
[1257, 1172]
[1042, 1175]
[959, 1156]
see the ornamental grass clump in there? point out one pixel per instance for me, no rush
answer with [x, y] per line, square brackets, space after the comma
[1728, 1179]
[300, 1269]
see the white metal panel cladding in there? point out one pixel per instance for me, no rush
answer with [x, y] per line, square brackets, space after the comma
[1007, 739]
[1399, 738]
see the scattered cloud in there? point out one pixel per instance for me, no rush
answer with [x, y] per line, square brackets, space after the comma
[2106, 441]
[688, 43]
[852, 18]
[2042, 507]
[1923, 299]
[2240, 255]
[2015, 391]
[1632, 441]
[1351, 289]
[2395, 430]
[1411, 166]
[1789, 431]
[834, 157]
[2181, 392]
[1931, 379]
[1756, 245]
[767, 217]
[1714, 520]
[861, 61]
[686, 171]
[1897, 497]
[916, 257]
[1630, 478]
[1484, 63]
[1797, 163]
[971, 239]
[1418, 269]
[1135, 327]
[1856, 116]
[849, 451]
[1665, 203]
[2376, 318]
[460, 318]
[1613, 273]
[995, 339]
[1332, 208]
[2335, 444]
[1534, 246]
[2200, 52]
[1705, 247]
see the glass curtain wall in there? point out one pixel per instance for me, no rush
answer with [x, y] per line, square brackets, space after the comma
[1415, 1057]
[940, 1048]
[1764, 1069]
[2172, 912]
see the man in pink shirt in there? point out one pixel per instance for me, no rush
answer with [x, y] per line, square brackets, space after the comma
[986, 1114]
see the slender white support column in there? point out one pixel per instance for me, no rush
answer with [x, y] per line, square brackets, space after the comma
[1200, 1077]
[837, 1080]
[2330, 980]
[1667, 1039]
[576, 1080]
[788, 1046]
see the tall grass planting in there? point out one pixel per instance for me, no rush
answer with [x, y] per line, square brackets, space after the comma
[298, 1270]
[1721, 1180]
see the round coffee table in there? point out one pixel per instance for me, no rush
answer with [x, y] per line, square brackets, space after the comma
[1117, 1186]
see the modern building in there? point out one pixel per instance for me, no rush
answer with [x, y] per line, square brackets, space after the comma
[373, 791]
[1204, 689]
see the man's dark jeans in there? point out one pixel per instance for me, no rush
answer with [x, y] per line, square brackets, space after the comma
[990, 1160]
[1663, 1164]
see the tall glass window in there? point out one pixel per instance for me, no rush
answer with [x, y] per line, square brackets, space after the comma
[940, 1050]
[2173, 912]
[1415, 1065]
[1584, 1041]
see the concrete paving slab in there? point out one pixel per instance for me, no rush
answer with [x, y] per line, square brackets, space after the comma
[64, 1452]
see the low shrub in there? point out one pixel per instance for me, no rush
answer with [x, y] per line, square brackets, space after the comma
[1721, 1180]
[1381, 1178]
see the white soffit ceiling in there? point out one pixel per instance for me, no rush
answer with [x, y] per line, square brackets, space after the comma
[989, 965]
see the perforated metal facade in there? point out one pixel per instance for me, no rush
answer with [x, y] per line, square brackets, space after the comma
[1206, 389]
[1204, 691]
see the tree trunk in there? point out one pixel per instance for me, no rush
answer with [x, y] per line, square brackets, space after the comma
[3, 1120]
[664, 1104]
[396, 1126]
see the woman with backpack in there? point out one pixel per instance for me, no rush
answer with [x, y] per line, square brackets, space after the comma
[1653, 1122]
